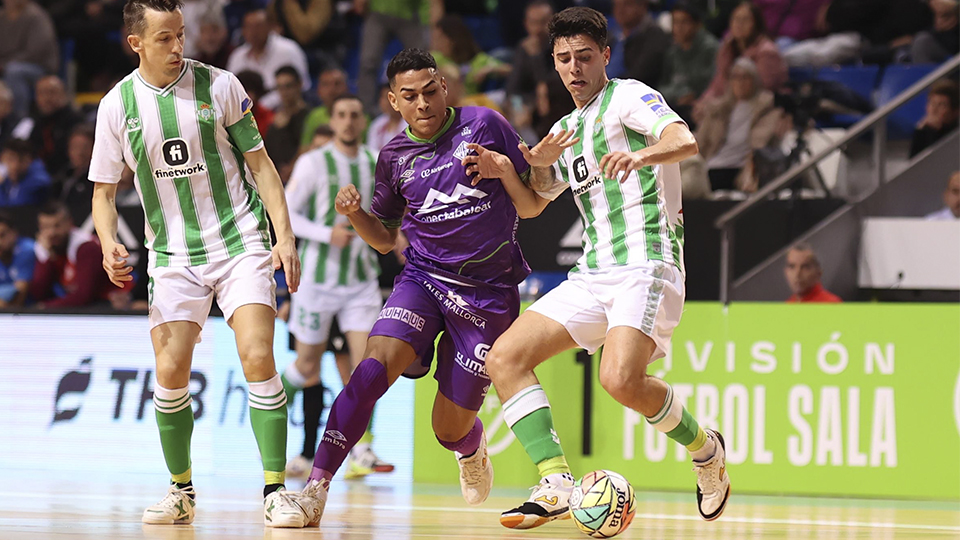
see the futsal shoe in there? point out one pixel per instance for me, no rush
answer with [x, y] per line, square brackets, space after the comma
[713, 483]
[313, 499]
[367, 460]
[177, 508]
[550, 500]
[476, 474]
[299, 467]
[282, 510]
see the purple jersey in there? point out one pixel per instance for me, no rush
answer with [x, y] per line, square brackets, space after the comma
[452, 226]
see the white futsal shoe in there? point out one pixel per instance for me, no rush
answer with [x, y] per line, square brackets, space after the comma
[476, 474]
[177, 508]
[713, 483]
[285, 510]
[550, 500]
[313, 499]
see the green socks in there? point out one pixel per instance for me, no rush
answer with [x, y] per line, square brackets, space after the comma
[175, 420]
[528, 415]
[268, 415]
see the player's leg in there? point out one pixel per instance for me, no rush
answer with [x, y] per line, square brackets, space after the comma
[404, 333]
[179, 304]
[565, 318]
[310, 319]
[459, 430]
[641, 324]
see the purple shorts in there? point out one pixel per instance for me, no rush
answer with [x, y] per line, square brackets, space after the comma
[471, 315]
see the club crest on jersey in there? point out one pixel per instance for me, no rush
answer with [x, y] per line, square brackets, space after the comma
[466, 131]
[205, 112]
[597, 124]
[133, 124]
[462, 151]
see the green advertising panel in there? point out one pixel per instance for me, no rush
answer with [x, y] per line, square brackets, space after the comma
[851, 400]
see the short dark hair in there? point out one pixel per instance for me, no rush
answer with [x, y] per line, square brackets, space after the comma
[579, 20]
[288, 70]
[688, 7]
[133, 12]
[252, 82]
[21, 147]
[323, 130]
[53, 208]
[948, 89]
[409, 60]
[344, 97]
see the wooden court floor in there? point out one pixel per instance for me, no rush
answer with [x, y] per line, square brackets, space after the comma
[52, 507]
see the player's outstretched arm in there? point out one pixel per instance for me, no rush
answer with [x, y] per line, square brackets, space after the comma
[105, 221]
[367, 225]
[676, 143]
[271, 191]
[492, 164]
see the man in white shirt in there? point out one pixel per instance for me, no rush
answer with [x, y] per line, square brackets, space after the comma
[951, 201]
[264, 51]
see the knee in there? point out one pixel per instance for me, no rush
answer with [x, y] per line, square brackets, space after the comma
[506, 358]
[172, 374]
[448, 433]
[257, 361]
[621, 381]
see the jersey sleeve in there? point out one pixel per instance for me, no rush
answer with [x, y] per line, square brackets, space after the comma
[646, 112]
[106, 164]
[388, 204]
[508, 139]
[306, 181]
[238, 115]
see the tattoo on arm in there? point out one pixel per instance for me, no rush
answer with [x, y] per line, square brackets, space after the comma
[541, 178]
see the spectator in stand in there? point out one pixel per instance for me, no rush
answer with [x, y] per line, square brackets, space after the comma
[196, 10]
[212, 45]
[89, 25]
[804, 276]
[688, 66]
[943, 112]
[253, 84]
[384, 20]
[385, 126]
[72, 187]
[736, 125]
[532, 64]
[454, 46]
[747, 39]
[68, 271]
[792, 21]
[830, 44]
[638, 51]
[331, 84]
[315, 25]
[457, 95]
[24, 180]
[16, 264]
[264, 52]
[283, 137]
[942, 41]
[887, 26]
[951, 201]
[28, 49]
[8, 117]
[48, 129]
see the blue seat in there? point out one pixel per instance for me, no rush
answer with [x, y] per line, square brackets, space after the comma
[860, 79]
[896, 79]
[800, 73]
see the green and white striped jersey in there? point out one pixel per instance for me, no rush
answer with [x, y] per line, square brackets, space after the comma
[185, 144]
[639, 219]
[316, 178]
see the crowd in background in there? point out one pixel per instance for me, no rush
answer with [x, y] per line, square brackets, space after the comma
[720, 63]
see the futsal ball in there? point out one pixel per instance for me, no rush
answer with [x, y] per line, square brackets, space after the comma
[602, 504]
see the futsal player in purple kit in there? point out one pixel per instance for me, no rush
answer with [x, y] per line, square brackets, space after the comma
[458, 206]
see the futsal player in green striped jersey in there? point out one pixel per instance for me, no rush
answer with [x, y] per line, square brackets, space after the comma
[626, 292]
[206, 185]
[340, 269]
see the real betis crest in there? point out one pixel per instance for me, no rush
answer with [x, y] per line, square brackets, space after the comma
[205, 112]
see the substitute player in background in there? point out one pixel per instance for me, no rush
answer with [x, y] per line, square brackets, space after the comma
[186, 130]
[341, 270]
[627, 289]
[463, 267]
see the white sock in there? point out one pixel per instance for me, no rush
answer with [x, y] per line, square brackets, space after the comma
[294, 377]
[560, 479]
[706, 451]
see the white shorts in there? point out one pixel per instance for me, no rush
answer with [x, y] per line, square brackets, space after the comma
[313, 307]
[185, 293]
[648, 298]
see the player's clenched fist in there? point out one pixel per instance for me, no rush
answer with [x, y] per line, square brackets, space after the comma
[115, 264]
[348, 200]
